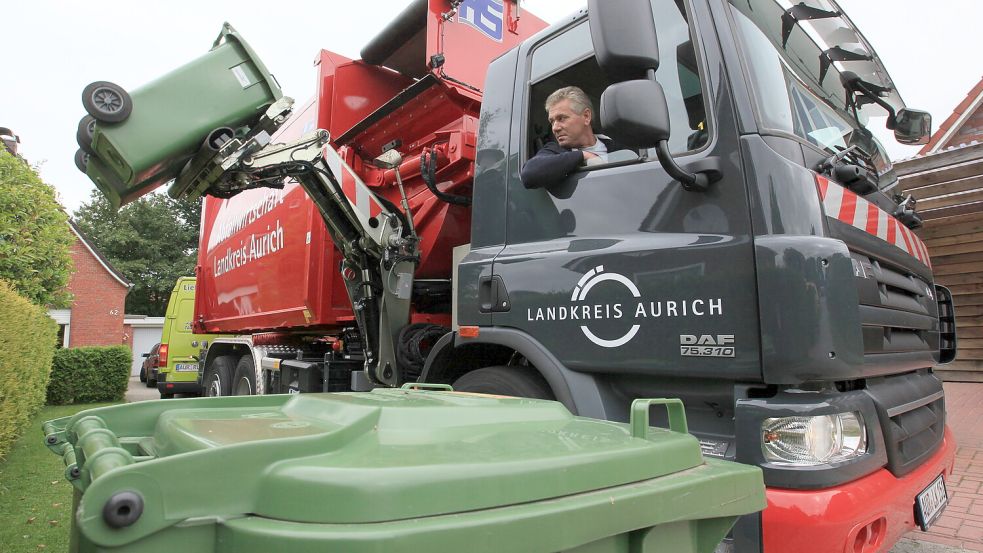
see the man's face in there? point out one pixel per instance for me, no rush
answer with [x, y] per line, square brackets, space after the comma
[570, 127]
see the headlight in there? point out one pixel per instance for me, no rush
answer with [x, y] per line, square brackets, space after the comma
[809, 441]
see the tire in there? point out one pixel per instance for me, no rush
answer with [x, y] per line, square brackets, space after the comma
[244, 381]
[81, 160]
[506, 381]
[87, 128]
[218, 377]
[107, 102]
[143, 375]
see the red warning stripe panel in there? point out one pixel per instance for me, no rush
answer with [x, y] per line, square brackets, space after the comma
[853, 210]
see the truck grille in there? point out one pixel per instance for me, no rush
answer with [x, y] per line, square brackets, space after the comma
[897, 309]
[947, 325]
[911, 408]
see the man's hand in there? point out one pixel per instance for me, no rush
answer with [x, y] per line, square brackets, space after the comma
[590, 158]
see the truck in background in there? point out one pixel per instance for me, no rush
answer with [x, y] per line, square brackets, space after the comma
[180, 349]
[749, 257]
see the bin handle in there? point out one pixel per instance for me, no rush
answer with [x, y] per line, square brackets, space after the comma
[426, 386]
[640, 416]
[226, 31]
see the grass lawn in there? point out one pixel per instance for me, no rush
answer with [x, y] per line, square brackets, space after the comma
[35, 498]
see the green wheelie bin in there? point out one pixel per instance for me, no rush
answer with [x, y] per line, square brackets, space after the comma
[143, 139]
[393, 470]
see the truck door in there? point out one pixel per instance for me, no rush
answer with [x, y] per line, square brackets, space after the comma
[618, 269]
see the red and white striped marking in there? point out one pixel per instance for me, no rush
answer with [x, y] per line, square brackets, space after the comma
[364, 204]
[854, 210]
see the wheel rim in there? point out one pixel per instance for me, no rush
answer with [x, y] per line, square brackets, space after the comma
[90, 129]
[243, 387]
[107, 100]
[215, 387]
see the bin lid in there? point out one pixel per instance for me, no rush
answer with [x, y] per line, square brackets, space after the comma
[398, 454]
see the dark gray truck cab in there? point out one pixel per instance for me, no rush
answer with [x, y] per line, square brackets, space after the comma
[781, 317]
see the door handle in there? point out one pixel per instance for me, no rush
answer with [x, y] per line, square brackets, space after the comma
[493, 297]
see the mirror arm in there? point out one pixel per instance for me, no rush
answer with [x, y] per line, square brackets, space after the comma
[693, 182]
[892, 120]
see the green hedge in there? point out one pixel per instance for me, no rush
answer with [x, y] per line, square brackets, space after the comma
[27, 342]
[90, 374]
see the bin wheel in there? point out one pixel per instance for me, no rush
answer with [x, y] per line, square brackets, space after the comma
[107, 102]
[244, 382]
[218, 377]
[81, 160]
[507, 381]
[87, 128]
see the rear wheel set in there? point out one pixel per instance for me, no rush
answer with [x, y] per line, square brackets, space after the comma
[218, 377]
[107, 102]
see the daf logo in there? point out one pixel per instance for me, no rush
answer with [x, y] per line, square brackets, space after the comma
[588, 281]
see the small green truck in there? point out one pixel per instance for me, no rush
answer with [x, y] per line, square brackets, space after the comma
[180, 348]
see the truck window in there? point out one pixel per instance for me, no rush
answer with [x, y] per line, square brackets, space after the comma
[568, 59]
[791, 94]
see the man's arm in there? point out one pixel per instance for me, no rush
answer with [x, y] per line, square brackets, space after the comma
[550, 165]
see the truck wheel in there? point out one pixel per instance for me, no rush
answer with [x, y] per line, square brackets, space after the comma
[244, 382]
[506, 381]
[107, 102]
[218, 377]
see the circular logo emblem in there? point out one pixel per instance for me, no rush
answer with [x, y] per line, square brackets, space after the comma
[592, 278]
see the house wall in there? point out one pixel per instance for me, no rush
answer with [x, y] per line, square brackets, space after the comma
[948, 186]
[97, 310]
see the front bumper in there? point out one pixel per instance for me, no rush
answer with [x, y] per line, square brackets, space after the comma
[863, 516]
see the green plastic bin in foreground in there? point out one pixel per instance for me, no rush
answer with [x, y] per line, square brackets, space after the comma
[171, 117]
[392, 470]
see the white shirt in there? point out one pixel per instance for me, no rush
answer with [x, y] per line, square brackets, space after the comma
[599, 149]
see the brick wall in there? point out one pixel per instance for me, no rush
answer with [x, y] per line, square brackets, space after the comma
[128, 335]
[971, 130]
[97, 310]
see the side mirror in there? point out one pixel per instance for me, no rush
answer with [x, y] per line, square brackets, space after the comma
[146, 355]
[624, 37]
[635, 113]
[913, 126]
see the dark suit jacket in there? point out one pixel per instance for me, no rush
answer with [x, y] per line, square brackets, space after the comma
[553, 163]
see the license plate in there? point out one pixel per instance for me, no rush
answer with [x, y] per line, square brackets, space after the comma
[930, 503]
[185, 367]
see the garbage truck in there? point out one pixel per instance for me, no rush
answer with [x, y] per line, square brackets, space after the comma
[748, 252]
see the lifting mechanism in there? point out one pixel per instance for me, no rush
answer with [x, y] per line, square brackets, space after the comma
[377, 240]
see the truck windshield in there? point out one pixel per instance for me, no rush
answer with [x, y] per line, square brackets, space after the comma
[793, 92]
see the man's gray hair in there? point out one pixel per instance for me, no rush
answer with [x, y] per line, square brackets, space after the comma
[579, 101]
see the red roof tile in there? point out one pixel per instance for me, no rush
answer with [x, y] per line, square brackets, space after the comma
[951, 120]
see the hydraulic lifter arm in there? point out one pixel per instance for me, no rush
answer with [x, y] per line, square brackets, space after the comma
[380, 251]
